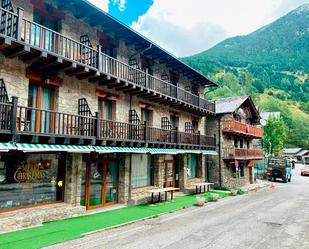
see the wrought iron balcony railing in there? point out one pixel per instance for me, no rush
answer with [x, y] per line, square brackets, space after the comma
[24, 31]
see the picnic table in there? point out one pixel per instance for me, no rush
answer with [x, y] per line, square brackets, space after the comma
[198, 186]
[162, 190]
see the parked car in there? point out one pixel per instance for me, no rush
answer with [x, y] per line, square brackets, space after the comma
[304, 170]
[279, 168]
[305, 167]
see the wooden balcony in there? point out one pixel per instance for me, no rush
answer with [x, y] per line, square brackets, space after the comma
[50, 51]
[240, 129]
[32, 125]
[241, 153]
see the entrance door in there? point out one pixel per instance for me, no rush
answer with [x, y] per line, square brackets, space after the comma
[169, 175]
[102, 183]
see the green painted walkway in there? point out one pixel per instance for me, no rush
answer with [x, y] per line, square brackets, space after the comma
[73, 228]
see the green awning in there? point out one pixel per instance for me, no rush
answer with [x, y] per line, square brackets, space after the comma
[109, 149]
[54, 148]
[209, 152]
[156, 151]
[5, 147]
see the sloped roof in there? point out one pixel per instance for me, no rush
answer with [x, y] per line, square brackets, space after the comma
[95, 16]
[291, 150]
[302, 153]
[230, 105]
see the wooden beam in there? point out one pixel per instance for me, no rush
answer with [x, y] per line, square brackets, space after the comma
[35, 57]
[18, 51]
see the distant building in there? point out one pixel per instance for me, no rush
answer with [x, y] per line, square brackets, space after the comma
[238, 134]
[301, 154]
[291, 152]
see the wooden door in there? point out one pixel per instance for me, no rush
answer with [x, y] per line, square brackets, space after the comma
[169, 175]
[102, 183]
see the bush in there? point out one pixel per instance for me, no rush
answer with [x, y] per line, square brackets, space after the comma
[224, 188]
[240, 191]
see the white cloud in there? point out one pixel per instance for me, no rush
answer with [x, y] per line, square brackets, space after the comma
[121, 4]
[102, 4]
[186, 27]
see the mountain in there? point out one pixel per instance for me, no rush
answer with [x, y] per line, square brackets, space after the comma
[272, 65]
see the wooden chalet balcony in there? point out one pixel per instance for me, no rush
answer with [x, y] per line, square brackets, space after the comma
[48, 50]
[238, 128]
[27, 124]
[242, 153]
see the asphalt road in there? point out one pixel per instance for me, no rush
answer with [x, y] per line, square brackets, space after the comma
[270, 218]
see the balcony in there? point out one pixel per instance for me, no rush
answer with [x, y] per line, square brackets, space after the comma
[241, 153]
[48, 50]
[240, 129]
[27, 124]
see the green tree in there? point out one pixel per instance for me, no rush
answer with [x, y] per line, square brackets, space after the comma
[274, 136]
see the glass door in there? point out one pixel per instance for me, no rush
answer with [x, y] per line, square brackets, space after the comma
[102, 183]
[169, 175]
[95, 183]
[110, 182]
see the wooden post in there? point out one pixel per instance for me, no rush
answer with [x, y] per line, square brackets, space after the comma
[199, 138]
[176, 135]
[14, 115]
[20, 13]
[145, 132]
[99, 59]
[97, 125]
[177, 93]
[147, 79]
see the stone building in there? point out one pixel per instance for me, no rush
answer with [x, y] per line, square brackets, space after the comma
[238, 137]
[91, 113]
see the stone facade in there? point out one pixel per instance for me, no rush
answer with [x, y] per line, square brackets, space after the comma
[220, 171]
[13, 72]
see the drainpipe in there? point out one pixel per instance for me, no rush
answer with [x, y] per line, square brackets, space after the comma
[141, 51]
[219, 141]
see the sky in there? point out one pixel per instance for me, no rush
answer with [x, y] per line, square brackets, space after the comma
[187, 27]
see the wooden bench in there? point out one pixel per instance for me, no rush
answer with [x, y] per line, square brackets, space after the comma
[198, 187]
[162, 190]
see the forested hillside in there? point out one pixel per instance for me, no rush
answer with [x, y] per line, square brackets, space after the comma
[272, 65]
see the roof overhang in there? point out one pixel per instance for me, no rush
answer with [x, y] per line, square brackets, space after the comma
[83, 9]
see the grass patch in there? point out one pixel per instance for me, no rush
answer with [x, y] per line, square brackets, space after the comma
[68, 229]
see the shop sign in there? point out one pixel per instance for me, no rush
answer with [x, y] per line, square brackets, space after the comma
[29, 173]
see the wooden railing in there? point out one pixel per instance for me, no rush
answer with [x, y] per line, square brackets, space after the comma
[234, 153]
[26, 31]
[23, 120]
[36, 121]
[238, 127]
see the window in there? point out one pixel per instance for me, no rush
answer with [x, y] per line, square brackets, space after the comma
[236, 143]
[241, 170]
[241, 143]
[147, 116]
[106, 109]
[43, 37]
[192, 165]
[174, 121]
[248, 144]
[142, 171]
[30, 179]
[42, 98]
